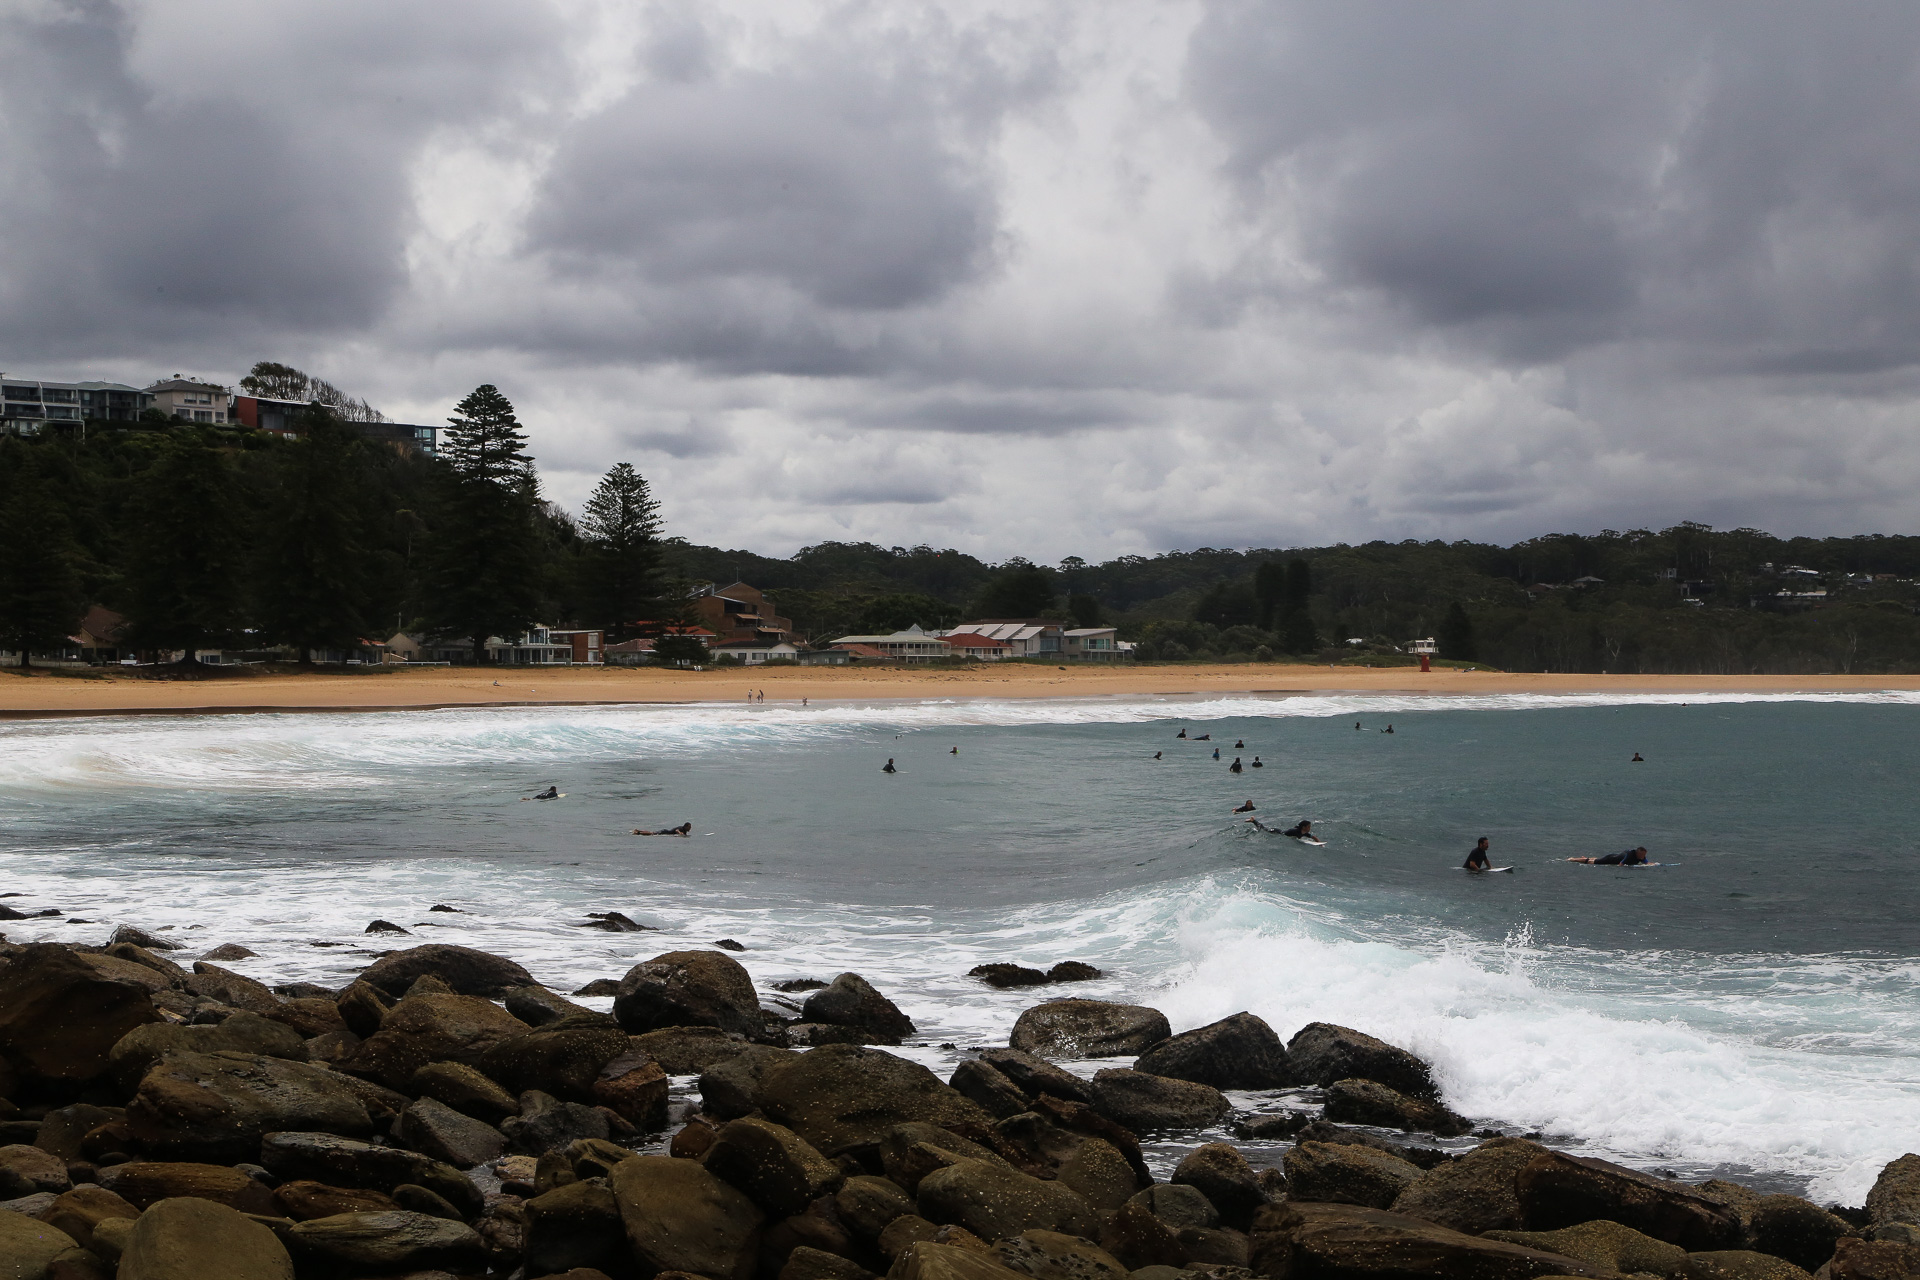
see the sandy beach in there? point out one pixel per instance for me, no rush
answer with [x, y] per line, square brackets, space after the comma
[43, 693]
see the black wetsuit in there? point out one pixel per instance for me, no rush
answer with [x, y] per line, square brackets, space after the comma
[1477, 861]
[551, 793]
[1300, 832]
[1235, 766]
[1625, 858]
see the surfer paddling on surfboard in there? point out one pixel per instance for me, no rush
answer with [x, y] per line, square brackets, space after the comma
[1629, 858]
[551, 793]
[684, 829]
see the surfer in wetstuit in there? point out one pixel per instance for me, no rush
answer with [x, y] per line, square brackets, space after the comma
[1301, 830]
[888, 766]
[1627, 858]
[684, 829]
[551, 793]
[1478, 859]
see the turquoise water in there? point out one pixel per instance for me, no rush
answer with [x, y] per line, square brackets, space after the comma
[1747, 1008]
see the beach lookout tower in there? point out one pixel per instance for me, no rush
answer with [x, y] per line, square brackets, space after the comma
[1425, 651]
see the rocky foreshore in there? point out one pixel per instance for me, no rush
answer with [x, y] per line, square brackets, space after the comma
[445, 1115]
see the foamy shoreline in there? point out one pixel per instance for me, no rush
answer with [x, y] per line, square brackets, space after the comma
[116, 693]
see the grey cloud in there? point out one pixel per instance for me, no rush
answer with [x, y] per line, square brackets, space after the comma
[1541, 177]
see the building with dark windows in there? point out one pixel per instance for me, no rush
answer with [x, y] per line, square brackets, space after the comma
[281, 417]
[27, 405]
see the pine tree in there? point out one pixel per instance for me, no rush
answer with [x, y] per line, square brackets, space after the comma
[485, 553]
[1455, 638]
[622, 566]
[313, 581]
[186, 564]
[40, 592]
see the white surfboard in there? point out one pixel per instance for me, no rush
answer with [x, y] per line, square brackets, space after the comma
[1318, 844]
[1487, 871]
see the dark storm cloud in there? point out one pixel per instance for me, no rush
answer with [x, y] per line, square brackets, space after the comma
[163, 185]
[1544, 176]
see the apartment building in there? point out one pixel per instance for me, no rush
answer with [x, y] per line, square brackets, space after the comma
[27, 405]
[191, 401]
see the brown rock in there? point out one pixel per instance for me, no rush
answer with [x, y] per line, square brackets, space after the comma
[229, 951]
[679, 1217]
[79, 1211]
[808, 1263]
[310, 1016]
[362, 1008]
[903, 1232]
[1896, 1192]
[1478, 1192]
[145, 1183]
[1607, 1245]
[909, 1152]
[1322, 1053]
[26, 1170]
[841, 1096]
[989, 1088]
[1218, 1171]
[1240, 1052]
[1856, 1259]
[563, 1058]
[1741, 1264]
[689, 989]
[574, 1226]
[59, 1017]
[217, 1106]
[466, 971]
[1142, 1102]
[436, 1130]
[1049, 1255]
[242, 1032]
[431, 1028]
[303, 1200]
[688, 1051]
[545, 1123]
[344, 1162]
[868, 1205]
[63, 1130]
[1089, 1029]
[1558, 1190]
[1370, 1102]
[231, 988]
[634, 1087]
[731, 1087]
[1035, 1076]
[1349, 1241]
[775, 1167]
[465, 1089]
[1798, 1230]
[928, 1260]
[851, 1001]
[28, 1246]
[1139, 1239]
[193, 1239]
[1324, 1172]
[994, 1201]
[537, 1007]
[1004, 975]
[174, 974]
[389, 1241]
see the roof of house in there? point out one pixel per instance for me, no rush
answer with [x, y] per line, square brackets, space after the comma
[755, 644]
[972, 640]
[184, 384]
[860, 650]
[913, 635]
[1093, 631]
[1005, 630]
[101, 623]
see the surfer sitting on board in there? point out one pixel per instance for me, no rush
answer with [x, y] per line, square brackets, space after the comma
[1629, 858]
[684, 829]
[1478, 859]
[551, 793]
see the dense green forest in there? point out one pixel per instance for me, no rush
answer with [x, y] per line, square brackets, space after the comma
[210, 537]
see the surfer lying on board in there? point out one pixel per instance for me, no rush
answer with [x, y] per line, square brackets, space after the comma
[551, 793]
[1245, 808]
[1628, 858]
[1302, 830]
[684, 829]
[1478, 859]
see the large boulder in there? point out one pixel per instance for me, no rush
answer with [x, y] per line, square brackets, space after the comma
[1325, 1173]
[1089, 1029]
[423, 1029]
[229, 988]
[1741, 1264]
[190, 1239]
[563, 1058]
[60, 1016]
[539, 1007]
[1350, 1242]
[79, 1211]
[1340, 1134]
[1896, 1192]
[994, 1201]
[731, 1087]
[144, 1183]
[1479, 1192]
[634, 1087]
[1608, 1245]
[680, 1217]
[241, 1032]
[345, 1162]
[28, 1246]
[931, 1260]
[842, 1096]
[387, 1242]
[304, 1200]
[1559, 1190]
[1141, 1102]
[1050, 1255]
[850, 1001]
[436, 1130]
[1092, 1163]
[988, 1086]
[576, 1225]
[465, 1089]
[26, 1171]
[1798, 1230]
[546, 1123]
[1370, 1102]
[689, 989]
[688, 1051]
[867, 1204]
[1856, 1259]
[217, 1106]
[1219, 1172]
[465, 971]
[909, 1152]
[1240, 1052]
[1322, 1053]
[1034, 1075]
[1178, 1206]
[777, 1169]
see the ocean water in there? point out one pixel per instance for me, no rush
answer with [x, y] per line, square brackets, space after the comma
[1750, 1008]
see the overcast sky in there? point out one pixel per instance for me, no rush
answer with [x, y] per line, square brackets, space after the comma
[1020, 278]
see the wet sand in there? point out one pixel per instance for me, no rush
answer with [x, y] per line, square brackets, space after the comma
[117, 692]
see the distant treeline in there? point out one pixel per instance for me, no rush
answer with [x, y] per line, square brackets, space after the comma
[210, 537]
